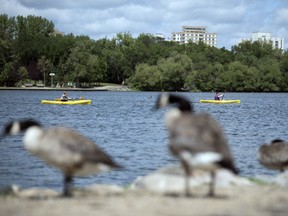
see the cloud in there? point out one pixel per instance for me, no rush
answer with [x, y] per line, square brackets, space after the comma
[230, 19]
[282, 16]
[71, 4]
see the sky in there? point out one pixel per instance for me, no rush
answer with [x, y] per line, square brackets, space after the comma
[232, 20]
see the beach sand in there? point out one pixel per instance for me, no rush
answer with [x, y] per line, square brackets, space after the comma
[257, 200]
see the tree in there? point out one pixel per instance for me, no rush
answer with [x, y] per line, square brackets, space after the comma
[146, 78]
[76, 64]
[168, 74]
[284, 70]
[120, 66]
[7, 34]
[270, 75]
[174, 71]
[4, 74]
[44, 65]
[30, 41]
[234, 77]
[96, 68]
[9, 76]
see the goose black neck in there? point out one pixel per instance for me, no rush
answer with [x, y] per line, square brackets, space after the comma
[277, 140]
[183, 104]
[25, 124]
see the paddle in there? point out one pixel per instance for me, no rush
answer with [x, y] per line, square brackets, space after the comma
[223, 96]
[80, 98]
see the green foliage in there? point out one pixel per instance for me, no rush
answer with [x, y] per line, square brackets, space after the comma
[30, 48]
[4, 74]
[168, 75]
[23, 73]
[284, 71]
[174, 70]
[9, 76]
[271, 76]
[146, 78]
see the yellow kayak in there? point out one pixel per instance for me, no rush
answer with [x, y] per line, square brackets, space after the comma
[69, 102]
[220, 101]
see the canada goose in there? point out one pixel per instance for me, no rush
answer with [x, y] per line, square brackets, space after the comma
[274, 155]
[195, 139]
[63, 148]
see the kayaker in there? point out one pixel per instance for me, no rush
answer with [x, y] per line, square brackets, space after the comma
[64, 97]
[218, 96]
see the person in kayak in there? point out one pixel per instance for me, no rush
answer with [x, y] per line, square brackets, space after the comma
[218, 96]
[64, 97]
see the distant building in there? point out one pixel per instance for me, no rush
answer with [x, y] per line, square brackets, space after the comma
[57, 32]
[159, 37]
[195, 34]
[277, 42]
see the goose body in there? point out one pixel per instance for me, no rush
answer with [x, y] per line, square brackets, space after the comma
[274, 155]
[201, 137]
[196, 140]
[65, 149]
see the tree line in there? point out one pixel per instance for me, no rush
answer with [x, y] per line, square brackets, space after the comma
[31, 49]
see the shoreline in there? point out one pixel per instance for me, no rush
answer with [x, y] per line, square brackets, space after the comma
[100, 88]
[235, 196]
[106, 200]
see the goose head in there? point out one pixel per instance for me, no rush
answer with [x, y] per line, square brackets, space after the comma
[16, 127]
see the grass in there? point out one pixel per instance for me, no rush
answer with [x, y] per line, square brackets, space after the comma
[257, 181]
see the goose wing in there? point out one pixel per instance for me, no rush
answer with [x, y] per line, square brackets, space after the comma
[273, 155]
[197, 133]
[69, 145]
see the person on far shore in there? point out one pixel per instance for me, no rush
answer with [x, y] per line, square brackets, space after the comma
[64, 97]
[218, 96]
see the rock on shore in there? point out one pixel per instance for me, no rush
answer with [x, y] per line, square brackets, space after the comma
[170, 179]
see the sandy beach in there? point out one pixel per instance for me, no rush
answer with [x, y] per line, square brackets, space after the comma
[257, 200]
[159, 193]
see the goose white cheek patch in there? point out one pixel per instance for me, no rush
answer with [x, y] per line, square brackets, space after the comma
[15, 128]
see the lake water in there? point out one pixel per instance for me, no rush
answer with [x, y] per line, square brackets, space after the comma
[123, 124]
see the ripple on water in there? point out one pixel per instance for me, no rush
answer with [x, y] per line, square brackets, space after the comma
[123, 124]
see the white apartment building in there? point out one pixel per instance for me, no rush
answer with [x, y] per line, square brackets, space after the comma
[195, 34]
[277, 42]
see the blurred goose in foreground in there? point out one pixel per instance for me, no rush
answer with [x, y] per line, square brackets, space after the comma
[195, 139]
[274, 155]
[63, 148]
